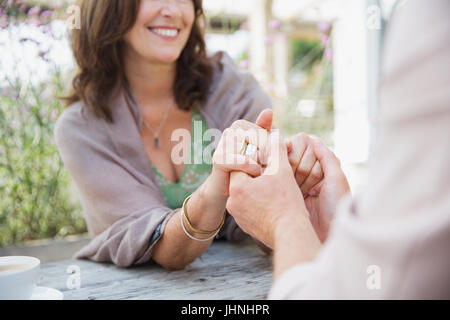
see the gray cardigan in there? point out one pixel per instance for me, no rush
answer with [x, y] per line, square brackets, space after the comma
[122, 203]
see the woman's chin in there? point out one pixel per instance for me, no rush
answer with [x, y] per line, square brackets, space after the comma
[166, 58]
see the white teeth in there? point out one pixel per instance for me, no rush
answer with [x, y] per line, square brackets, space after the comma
[166, 32]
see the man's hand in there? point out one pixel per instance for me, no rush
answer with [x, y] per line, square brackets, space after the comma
[323, 199]
[259, 204]
[321, 191]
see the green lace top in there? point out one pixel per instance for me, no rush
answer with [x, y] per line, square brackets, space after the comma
[195, 171]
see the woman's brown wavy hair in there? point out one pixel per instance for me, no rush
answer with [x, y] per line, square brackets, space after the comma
[98, 49]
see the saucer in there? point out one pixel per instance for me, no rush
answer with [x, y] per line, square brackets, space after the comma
[43, 293]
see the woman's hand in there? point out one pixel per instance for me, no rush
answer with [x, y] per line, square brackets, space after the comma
[227, 157]
[305, 165]
[207, 204]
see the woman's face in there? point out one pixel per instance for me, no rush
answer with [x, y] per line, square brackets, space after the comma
[162, 30]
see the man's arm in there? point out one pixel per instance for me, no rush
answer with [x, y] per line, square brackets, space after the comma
[295, 243]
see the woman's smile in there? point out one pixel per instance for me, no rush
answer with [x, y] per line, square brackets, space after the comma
[161, 31]
[166, 33]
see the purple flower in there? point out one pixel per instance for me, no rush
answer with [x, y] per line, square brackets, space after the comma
[268, 41]
[324, 39]
[21, 40]
[36, 22]
[274, 24]
[328, 53]
[244, 64]
[323, 26]
[3, 23]
[43, 55]
[34, 11]
[47, 14]
[5, 92]
[17, 96]
[1, 11]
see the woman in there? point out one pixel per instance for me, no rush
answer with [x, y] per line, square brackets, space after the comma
[143, 73]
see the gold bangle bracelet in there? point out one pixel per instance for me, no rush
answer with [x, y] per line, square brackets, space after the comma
[184, 210]
[191, 236]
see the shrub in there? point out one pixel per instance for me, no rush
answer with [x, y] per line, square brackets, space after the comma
[35, 194]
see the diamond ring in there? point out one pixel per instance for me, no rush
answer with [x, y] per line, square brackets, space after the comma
[248, 149]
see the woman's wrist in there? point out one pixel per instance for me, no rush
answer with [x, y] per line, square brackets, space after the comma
[214, 187]
[206, 208]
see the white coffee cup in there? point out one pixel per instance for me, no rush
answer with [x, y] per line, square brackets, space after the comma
[18, 277]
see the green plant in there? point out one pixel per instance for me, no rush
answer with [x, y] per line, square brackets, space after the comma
[34, 186]
[311, 60]
[35, 196]
[35, 201]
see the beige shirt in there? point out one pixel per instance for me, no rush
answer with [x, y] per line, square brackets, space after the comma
[122, 203]
[393, 242]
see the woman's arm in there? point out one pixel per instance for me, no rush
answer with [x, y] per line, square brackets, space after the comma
[206, 208]
[175, 250]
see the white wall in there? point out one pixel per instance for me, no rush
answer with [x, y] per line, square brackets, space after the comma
[351, 83]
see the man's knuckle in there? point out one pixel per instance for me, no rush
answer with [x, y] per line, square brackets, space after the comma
[300, 142]
[302, 137]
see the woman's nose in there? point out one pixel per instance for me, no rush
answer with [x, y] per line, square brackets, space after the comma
[170, 8]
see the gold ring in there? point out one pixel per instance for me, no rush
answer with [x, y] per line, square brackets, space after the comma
[243, 147]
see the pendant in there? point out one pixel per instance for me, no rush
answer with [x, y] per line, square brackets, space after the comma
[156, 141]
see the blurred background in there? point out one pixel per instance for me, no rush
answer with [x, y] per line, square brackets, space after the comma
[318, 60]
